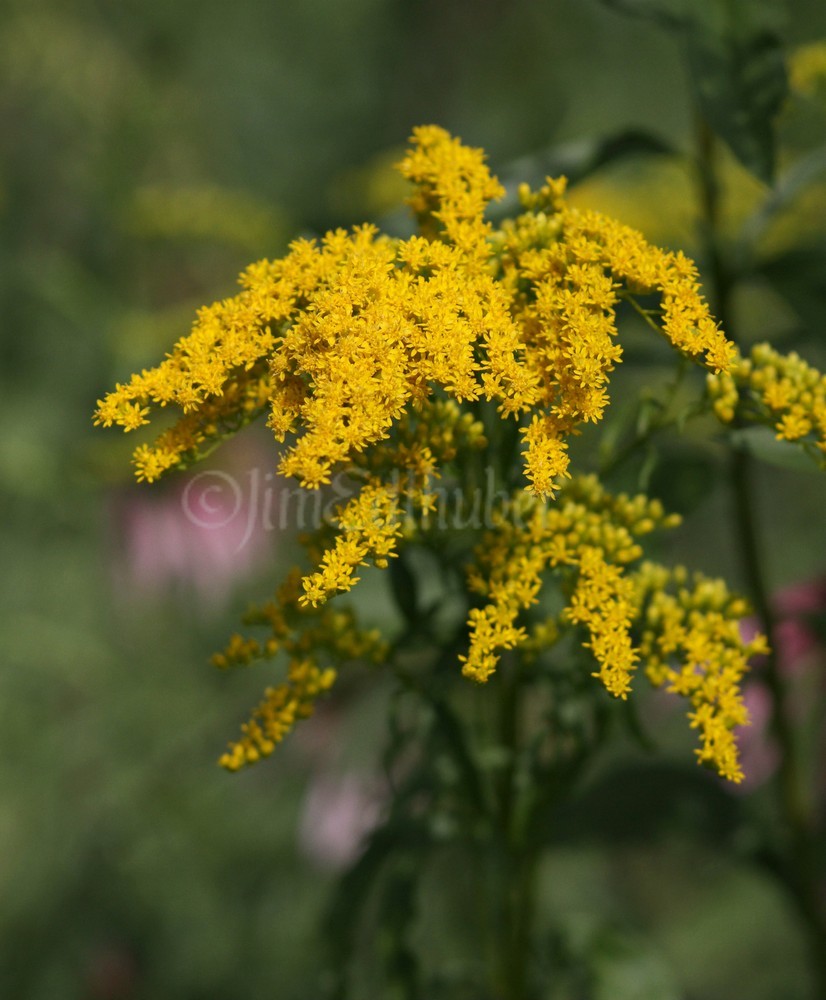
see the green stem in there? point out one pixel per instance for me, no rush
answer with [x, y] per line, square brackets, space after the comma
[657, 425]
[644, 314]
[450, 726]
[800, 865]
[514, 862]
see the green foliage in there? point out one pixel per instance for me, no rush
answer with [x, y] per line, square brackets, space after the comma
[736, 64]
[577, 160]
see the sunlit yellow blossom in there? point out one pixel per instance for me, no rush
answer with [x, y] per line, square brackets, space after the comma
[401, 361]
[587, 533]
[690, 642]
[278, 712]
[453, 188]
[692, 645]
[369, 527]
[782, 390]
[312, 641]
[602, 601]
[344, 335]
[686, 320]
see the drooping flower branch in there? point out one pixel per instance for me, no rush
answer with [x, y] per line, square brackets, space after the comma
[375, 354]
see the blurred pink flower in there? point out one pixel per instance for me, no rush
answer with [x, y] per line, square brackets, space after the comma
[796, 641]
[796, 606]
[206, 532]
[111, 973]
[338, 814]
[758, 751]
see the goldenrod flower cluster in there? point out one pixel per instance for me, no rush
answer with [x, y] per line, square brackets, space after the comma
[377, 355]
[314, 643]
[587, 533]
[782, 390]
[343, 336]
[691, 643]
[688, 641]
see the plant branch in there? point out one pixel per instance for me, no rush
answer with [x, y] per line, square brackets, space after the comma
[799, 868]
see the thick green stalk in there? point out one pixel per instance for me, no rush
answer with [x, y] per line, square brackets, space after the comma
[800, 870]
[800, 864]
[512, 858]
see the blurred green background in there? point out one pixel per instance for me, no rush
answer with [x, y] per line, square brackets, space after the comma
[149, 152]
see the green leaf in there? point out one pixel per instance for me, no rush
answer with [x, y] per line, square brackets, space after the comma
[401, 838]
[577, 160]
[684, 478]
[649, 413]
[405, 588]
[649, 464]
[737, 68]
[797, 275]
[639, 801]
[763, 444]
[625, 967]
[396, 917]
[740, 80]
[669, 13]
[802, 174]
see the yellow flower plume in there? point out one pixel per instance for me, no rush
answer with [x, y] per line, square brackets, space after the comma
[375, 354]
